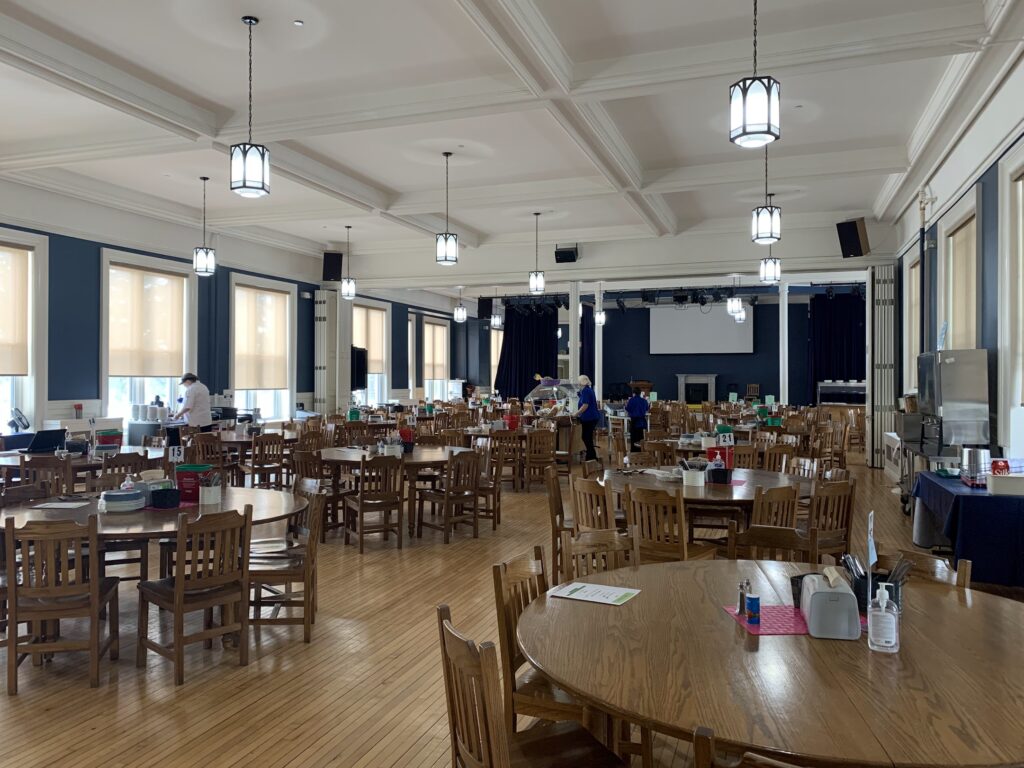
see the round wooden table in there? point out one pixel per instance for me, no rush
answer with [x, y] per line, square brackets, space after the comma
[267, 507]
[726, 495]
[673, 660]
[236, 439]
[154, 456]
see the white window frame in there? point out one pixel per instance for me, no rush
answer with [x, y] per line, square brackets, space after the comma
[1011, 285]
[411, 325]
[360, 301]
[954, 218]
[280, 286]
[32, 391]
[178, 267]
[434, 319]
[911, 260]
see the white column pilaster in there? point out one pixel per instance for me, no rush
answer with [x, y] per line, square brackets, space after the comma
[344, 354]
[784, 342]
[574, 330]
[598, 358]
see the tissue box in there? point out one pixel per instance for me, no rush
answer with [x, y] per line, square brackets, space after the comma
[1006, 485]
[830, 612]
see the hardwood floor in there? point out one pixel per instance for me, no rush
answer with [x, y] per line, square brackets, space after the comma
[366, 692]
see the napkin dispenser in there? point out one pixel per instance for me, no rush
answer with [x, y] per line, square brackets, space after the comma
[830, 611]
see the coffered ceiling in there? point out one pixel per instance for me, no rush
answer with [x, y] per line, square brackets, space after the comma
[608, 117]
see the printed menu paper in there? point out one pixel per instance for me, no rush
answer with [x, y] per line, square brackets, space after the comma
[62, 505]
[595, 593]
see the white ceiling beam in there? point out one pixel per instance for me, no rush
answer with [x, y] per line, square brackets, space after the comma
[47, 154]
[37, 53]
[545, 48]
[881, 39]
[525, 193]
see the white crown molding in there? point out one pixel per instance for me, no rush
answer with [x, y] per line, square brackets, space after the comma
[37, 53]
[896, 37]
[47, 154]
[945, 94]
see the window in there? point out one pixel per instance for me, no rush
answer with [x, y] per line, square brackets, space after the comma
[368, 329]
[14, 326]
[961, 286]
[435, 361]
[913, 320]
[145, 336]
[497, 336]
[412, 356]
[1016, 381]
[261, 340]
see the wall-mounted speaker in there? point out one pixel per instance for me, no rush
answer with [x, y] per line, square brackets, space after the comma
[332, 267]
[484, 307]
[853, 238]
[566, 254]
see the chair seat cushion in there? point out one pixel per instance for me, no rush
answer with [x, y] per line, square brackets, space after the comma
[272, 546]
[164, 589]
[559, 744]
[107, 585]
[273, 565]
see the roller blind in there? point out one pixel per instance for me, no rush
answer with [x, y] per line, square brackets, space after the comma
[14, 290]
[368, 333]
[497, 338]
[145, 322]
[435, 351]
[260, 338]
[914, 318]
[962, 287]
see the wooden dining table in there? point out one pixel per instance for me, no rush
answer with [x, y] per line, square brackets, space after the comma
[268, 506]
[231, 438]
[154, 457]
[739, 493]
[673, 660]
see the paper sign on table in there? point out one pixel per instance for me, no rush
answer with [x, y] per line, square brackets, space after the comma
[733, 397]
[769, 399]
[62, 505]
[595, 593]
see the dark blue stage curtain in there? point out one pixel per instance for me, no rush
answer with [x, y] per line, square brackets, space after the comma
[587, 342]
[529, 346]
[837, 338]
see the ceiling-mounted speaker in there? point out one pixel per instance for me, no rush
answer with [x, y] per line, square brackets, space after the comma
[567, 254]
[649, 296]
[332, 266]
[853, 238]
[484, 307]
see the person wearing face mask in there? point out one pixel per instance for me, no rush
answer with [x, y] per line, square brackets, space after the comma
[588, 415]
[637, 408]
[195, 406]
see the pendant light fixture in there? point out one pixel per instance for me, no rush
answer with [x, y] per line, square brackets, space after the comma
[536, 277]
[459, 313]
[497, 321]
[599, 313]
[734, 305]
[771, 268]
[204, 259]
[348, 283]
[741, 316]
[447, 242]
[754, 107]
[766, 220]
[250, 163]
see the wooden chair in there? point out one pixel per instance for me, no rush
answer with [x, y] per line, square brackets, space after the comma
[939, 570]
[453, 436]
[477, 724]
[104, 482]
[378, 496]
[307, 465]
[457, 497]
[510, 441]
[659, 518]
[744, 457]
[153, 441]
[596, 551]
[705, 756]
[124, 463]
[559, 521]
[58, 474]
[51, 576]
[592, 504]
[489, 489]
[776, 506]
[790, 440]
[540, 453]
[265, 464]
[517, 583]
[568, 454]
[297, 565]
[806, 469]
[136, 551]
[772, 542]
[664, 455]
[207, 448]
[644, 459]
[776, 457]
[836, 474]
[764, 440]
[831, 514]
[753, 392]
[295, 526]
[211, 570]
[840, 444]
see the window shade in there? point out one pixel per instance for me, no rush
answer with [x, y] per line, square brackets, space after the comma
[914, 318]
[261, 335]
[145, 322]
[368, 332]
[14, 292]
[435, 351]
[962, 287]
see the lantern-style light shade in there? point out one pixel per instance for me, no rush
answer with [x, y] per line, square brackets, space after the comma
[447, 249]
[599, 317]
[771, 269]
[754, 111]
[766, 224]
[497, 321]
[204, 261]
[734, 305]
[537, 282]
[250, 170]
[741, 316]
[459, 315]
[580, 305]
[348, 288]
[558, 332]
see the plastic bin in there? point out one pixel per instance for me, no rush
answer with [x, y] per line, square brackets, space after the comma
[188, 478]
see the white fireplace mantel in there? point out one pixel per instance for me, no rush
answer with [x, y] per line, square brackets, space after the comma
[696, 378]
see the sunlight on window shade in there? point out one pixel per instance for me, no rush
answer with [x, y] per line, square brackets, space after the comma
[962, 287]
[145, 322]
[435, 351]
[14, 290]
[368, 332]
[260, 338]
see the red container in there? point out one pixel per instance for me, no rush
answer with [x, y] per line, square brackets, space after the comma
[189, 478]
[109, 439]
[725, 453]
[511, 421]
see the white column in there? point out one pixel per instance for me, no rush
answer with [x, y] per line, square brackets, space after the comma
[574, 330]
[344, 354]
[599, 360]
[784, 342]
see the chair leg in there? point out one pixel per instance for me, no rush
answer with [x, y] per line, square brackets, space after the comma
[446, 521]
[113, 627]
[208, 624]
[243, 631]
[308, 601]
[12, 656]
[399, 512]
[143, 632]
[179, 649]
[94, 649]
[359, 530]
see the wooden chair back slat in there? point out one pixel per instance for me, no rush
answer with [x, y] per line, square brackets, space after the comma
[591, 507]
[744, 456]
[380, 480]
[57, 473]
[51, 559]
[659, 518]
[776, 457]
[769, 542]
[775, 506]
[597, 551]
[212, 551]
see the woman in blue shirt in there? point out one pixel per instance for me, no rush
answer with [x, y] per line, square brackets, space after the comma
[588, 414]
[637, 408]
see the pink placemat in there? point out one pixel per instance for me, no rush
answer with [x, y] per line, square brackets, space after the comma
[738, 483]
[775, 620]
[182, 505]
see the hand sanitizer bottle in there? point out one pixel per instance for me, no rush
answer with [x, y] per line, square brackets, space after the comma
[883, 623]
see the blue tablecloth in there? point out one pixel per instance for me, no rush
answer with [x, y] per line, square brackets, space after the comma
[985, 529]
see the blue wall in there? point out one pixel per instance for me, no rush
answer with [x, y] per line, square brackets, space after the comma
[627, 356]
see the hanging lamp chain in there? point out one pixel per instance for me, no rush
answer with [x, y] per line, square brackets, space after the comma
[755, 38]
[766, 173]
[348, 250]
[446, 156]
[250, 81]
[204, 213]
[536, 242]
